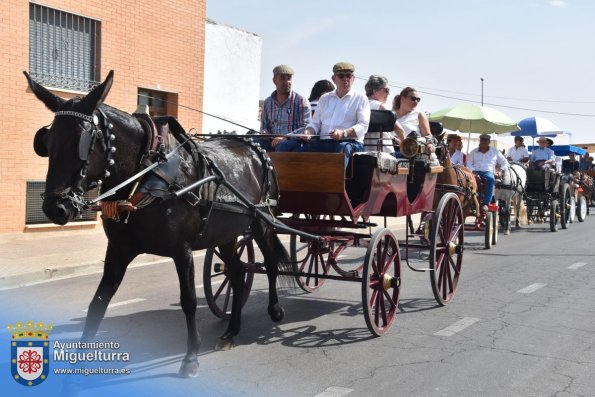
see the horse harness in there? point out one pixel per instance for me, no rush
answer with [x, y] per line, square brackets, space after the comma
[86, 145]
[463, 185]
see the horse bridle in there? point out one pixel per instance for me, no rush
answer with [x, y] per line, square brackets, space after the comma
[86, 145]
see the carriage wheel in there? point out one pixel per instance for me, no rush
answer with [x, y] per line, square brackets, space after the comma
[565, 206]
[554, 214]
[581, 208]
[446, 249]
[488, 229]
[572, 209]
[495, 226]
[216, 275]
[315, 263]
[381, 281]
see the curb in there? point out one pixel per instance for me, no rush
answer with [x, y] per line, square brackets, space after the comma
[57, 273]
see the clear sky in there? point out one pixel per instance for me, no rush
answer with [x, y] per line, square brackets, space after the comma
[538, 55]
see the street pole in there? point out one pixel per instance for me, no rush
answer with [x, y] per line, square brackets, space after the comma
[481, 91]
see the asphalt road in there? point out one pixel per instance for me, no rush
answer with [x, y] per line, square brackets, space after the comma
[522, 324]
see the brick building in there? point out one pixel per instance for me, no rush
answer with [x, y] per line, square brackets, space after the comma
[155, 47]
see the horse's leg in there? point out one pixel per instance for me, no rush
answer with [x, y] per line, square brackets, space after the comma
[275, 256]
[236, 274]
[114, 268]
[185, 269]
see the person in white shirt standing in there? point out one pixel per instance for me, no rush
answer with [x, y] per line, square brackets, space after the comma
[456, 156]
[342, 117]
[483, 161]
[518, 152]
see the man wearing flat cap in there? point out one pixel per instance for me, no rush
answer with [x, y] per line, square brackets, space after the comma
[342, 116]
[542, 157]
[518, 152]
[456, 156]
[483, 161]
[284, 112]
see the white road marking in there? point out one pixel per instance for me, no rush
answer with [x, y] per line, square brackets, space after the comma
[575, 266]
[112, 305]
[458, 326]
[214, 283]
[531, 288]
[334, 391]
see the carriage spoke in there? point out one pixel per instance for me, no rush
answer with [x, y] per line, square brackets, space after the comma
[453, 265]
[382, 310]
[223, 284]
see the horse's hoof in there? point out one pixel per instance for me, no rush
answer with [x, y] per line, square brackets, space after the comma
[277, 313]
[506, 232]
[224, 345]
[189, 368]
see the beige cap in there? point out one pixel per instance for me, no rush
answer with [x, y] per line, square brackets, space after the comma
[343, 67]
[282, 69]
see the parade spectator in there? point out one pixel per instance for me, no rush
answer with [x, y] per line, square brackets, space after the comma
[342, 116]
[319, 88]
[456, 156]
[543, 156]
[377, 92]
[284, 111]
[483, 161]
[518, 152]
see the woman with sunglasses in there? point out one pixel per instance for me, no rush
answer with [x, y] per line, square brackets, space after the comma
[377, 92]
[412, 121]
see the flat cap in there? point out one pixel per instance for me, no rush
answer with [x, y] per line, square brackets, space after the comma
[485, 136]
[282, 69]
[343, 67]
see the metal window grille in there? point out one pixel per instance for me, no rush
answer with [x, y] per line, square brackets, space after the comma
[64, 49]
[34, 214]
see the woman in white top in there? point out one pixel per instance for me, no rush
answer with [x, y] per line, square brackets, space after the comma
[412, 121]
[377, 92]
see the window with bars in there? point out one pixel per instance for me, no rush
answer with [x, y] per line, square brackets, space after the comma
[34, 214]
[64, 48]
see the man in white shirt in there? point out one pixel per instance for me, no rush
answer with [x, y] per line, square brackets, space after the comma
[342, 117]
[518, 152]
[456, 156]
[483, 161]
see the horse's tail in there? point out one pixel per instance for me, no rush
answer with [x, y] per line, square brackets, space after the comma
[272, 249]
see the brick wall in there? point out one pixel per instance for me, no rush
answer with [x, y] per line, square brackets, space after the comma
[156, 44]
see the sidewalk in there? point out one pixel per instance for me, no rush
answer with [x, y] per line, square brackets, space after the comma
[32, 257]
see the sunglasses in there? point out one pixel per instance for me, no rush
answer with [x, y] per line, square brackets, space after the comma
[344, 75]
[414, 98]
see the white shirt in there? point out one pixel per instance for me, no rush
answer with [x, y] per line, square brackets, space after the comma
[457, 158]
[517, 154]
[478, 161]
[410, 123]
[350, 111]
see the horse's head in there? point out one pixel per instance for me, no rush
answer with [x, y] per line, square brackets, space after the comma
[76, 147]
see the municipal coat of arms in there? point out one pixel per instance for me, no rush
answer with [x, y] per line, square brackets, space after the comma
[30, 358]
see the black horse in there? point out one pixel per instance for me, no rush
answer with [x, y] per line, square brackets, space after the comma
[90, 143]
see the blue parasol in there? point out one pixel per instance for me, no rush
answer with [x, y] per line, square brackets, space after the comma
[537, 126]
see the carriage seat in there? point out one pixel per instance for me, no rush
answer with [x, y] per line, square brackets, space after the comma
[542, 180]
[381, 122]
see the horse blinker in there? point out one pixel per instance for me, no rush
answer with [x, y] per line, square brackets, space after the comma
[40, 142]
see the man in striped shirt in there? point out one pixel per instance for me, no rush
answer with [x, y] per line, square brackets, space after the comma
[283, 112]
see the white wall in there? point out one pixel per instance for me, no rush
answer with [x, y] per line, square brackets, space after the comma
[232, 78]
